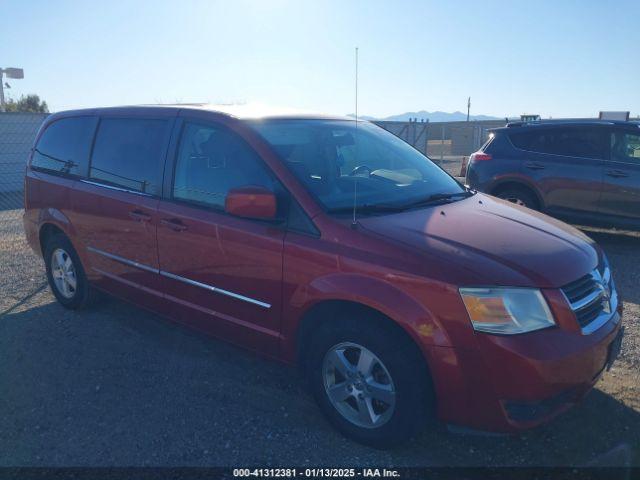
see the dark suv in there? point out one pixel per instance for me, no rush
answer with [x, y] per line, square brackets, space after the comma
[581, 171]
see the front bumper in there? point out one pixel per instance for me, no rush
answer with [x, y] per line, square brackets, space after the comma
[510, 383]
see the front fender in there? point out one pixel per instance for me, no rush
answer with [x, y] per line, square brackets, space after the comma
[420, 323]
[385, 297]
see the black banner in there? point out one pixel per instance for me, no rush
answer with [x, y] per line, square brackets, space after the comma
[314, 473]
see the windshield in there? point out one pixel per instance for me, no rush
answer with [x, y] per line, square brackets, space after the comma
[330, 156]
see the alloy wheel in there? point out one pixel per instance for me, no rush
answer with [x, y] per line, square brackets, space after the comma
[63, 273]
[358, 385]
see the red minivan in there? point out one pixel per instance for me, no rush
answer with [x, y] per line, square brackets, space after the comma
[332, 244]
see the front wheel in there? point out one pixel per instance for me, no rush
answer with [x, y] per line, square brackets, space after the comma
[370, 382]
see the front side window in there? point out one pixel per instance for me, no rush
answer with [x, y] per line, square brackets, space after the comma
[64, 146]
[625, 147]
[211, 161]
[338, 161]
[128, 153]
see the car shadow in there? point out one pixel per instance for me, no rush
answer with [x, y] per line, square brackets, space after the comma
[117, 385]
[600, 431]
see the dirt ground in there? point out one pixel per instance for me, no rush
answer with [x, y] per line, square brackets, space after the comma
[118, 386]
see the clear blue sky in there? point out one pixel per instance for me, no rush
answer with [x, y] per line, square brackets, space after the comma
[556, 58]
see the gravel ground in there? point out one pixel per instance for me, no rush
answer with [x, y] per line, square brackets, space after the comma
[118, 386]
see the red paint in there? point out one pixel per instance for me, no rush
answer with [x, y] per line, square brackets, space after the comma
[408, 266]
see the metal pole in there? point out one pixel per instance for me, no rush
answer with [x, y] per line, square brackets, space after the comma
[426, 138]
[1, 91]
[442, 146]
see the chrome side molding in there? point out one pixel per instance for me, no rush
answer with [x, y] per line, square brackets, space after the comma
[178, 278]
[126, 261]
[211, 288]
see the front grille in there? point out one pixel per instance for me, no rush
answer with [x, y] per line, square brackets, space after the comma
[590, 295]
[579, 289]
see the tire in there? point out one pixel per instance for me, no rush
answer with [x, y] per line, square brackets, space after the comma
[398, 375]
[519, 196]
[66, 275]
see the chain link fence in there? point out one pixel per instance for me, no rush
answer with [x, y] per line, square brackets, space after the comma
[446, 143]
[20, 270]
[17, 131]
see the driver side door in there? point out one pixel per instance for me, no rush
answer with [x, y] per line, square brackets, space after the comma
[222, 273]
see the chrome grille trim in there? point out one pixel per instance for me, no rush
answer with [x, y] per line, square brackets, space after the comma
[593, 297]
[588, 297]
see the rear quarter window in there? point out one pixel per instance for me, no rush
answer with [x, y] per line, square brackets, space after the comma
[582, 142]
[63, 148]
[523, 140]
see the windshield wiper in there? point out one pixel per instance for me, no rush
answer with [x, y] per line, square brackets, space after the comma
[388, 207]
[436, 198]
[369, 208]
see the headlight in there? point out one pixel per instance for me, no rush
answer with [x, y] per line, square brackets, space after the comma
[506, 311]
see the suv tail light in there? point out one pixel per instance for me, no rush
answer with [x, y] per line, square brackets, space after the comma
[479, 156]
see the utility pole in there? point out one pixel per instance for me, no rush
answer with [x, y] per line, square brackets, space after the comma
[468, 107]
[16, 73]
[1, 92]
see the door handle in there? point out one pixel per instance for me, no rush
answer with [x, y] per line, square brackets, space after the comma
[617, 173]
[139, 216]
[174, 224]
[534, 166]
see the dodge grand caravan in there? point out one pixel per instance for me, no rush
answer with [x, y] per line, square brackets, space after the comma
[334, 245]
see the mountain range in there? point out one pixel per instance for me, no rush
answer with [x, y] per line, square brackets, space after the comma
[430, 116]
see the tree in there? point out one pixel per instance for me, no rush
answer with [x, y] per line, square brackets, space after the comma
[29, 103]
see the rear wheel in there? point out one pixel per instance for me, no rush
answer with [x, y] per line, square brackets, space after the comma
[65, 274]
[370, 381]
[519, 196]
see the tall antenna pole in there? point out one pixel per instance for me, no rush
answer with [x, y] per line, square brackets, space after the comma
[354, 223]
[468, 107]
[356, 87]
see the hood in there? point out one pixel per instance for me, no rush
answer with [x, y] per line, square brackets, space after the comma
[492, 242]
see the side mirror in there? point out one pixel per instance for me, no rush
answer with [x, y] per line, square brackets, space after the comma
[251, 202]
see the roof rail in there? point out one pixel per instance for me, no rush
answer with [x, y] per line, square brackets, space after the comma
[573, 121]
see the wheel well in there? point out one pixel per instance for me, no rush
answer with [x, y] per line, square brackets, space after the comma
[325, 313]
[518, 186]
[46, 232]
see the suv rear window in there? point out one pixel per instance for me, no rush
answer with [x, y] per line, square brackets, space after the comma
[571, 142]
[64, 146]
[128, 152]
